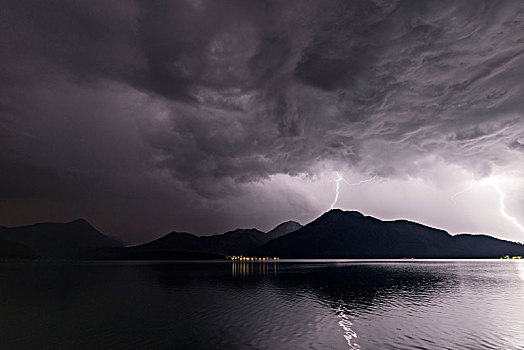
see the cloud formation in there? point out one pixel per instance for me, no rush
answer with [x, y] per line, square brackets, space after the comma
[173, 111]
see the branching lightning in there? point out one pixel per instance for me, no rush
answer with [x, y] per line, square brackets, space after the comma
[360, 182]
[502, 207]
[470, 186]
[340, 178]
[338, 188]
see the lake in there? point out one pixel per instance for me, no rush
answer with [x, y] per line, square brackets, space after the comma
[446, 304]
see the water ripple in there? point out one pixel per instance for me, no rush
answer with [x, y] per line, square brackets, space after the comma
[329, 305]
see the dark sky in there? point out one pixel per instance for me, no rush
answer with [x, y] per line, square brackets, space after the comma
[203, 116]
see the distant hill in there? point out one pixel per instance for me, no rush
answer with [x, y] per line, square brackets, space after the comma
[282, 229]
[11, 250]
[183, 245]
[174, 244]
[232, 242]
[335, 234]
[469, 245]
[349, 234]
[70, 240]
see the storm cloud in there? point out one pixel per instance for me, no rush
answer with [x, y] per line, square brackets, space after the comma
[203, 115]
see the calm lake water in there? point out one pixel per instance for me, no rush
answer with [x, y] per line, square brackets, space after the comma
[285, 305]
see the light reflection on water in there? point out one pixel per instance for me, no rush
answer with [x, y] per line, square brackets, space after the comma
[520, 269]
[263, 305]
[346, 324]
[244, 269]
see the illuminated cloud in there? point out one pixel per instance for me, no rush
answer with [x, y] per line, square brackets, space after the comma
[147, 117]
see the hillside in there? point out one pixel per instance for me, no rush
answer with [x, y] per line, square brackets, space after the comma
[349, 234]
[70, 240]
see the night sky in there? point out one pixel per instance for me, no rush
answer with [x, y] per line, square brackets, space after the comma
[204, 116]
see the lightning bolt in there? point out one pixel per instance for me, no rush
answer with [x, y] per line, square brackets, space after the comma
[470, 186]
[340, 178]
[360, 182]
[494, 182]
[338, 188]
[502, 207]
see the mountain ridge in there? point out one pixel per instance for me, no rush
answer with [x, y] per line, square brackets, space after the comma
[334, 234]
[283, 229]
[53, 240]
[350, 234]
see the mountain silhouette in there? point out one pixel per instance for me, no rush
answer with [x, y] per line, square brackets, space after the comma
[183, 245]
[233, 242]
[335, 234]
[282, 229]
[350, 234]
[12, 250]
[71, 240]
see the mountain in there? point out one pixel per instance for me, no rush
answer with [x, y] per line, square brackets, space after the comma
[350, 234]
[183, 245]
[282, 229]
[11, 250]
[485, 246]
[335, 234]
[233, 242]
[58, 240]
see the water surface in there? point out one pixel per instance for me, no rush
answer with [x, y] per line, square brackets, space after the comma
[285, 305]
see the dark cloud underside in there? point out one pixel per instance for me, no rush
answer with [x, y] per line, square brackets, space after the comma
[163, 110]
